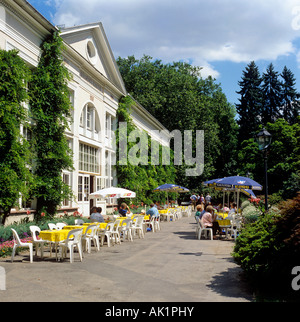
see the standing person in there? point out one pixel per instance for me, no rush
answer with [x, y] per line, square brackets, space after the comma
[194, 201]
[202, 200]
[207, 199]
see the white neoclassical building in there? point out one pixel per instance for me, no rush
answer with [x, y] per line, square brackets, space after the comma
[95, 91]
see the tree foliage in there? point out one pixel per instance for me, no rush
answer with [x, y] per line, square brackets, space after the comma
[264, 99]
[144, 176]
[15, 176]
[283, 158]
[268, 249]
[250, 106]
[181, 100]
[50, 110]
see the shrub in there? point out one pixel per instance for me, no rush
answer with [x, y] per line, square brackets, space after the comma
[268, 249]
[245, 204]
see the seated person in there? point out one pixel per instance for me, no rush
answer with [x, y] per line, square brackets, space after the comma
[209, 220]
[233, 209]
[158, 206]
[199, 212]
[152, 211]
[96, 215]
[225, 209]
[124, 209]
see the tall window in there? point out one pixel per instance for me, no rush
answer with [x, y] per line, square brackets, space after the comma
[88, 159]
[110, 125]
[89, 118]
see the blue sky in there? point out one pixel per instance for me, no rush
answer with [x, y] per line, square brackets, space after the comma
[222, 36]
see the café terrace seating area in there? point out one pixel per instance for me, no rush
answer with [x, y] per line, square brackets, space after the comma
[74, 242]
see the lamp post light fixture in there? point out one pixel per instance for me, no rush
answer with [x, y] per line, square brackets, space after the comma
[264, 138]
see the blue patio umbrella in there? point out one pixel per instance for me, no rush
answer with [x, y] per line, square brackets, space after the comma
[170, 187]
[239, 183]
[249, 193]
[210, 183]
[235, 183]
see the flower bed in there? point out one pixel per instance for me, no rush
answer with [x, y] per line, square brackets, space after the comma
[23, 230]
[7, 246]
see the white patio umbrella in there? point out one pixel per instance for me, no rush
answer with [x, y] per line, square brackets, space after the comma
[113, 192]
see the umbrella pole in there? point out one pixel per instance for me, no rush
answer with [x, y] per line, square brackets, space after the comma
[223, 202]
[238, 197]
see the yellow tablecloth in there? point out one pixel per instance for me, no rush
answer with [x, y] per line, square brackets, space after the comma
[70, 227]
[146, 217]
[54, 235]
[163, 211]
[102, 225]
[225, 222]
[222, 214]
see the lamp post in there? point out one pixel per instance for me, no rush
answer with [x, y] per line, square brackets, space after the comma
[264, 138]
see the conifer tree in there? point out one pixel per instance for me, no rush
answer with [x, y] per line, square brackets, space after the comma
[272, 95]
[250, 106]
[290, 97]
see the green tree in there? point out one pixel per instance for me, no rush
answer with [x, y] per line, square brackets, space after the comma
[290, 96]
[283, 158]
[284, 154]
[272, 95]
[250, 107]
[15, 177]
[137, 177]
[181, 99]
[51, 111]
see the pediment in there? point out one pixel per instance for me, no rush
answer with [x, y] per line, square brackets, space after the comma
[91, 43]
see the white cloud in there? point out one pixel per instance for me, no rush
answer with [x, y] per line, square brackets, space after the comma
[199, 31]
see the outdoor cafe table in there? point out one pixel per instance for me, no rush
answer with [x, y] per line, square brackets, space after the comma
[165, 213]
[55, 236]
[222, 214]
[224, 224]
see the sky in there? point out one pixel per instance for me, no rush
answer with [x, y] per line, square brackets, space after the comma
[221, 36]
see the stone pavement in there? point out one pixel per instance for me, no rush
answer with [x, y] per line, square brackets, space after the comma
[170, 265]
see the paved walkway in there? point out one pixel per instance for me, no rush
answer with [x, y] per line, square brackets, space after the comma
[169, 266]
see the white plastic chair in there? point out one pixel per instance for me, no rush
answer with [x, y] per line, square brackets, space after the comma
[79, 222]
[52, 226]
[73, 240]
[151, 223]
[170, 215]
[60, 225]
[89, 236]
[200, 229]
[38, 242]
[157, 223]
[138, 227]
[18, 243]
[116, 232]
[177, 213]
[236, 223]
[107, 233]
[125, 229]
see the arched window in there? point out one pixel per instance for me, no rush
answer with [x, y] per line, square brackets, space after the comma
[89, 118]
